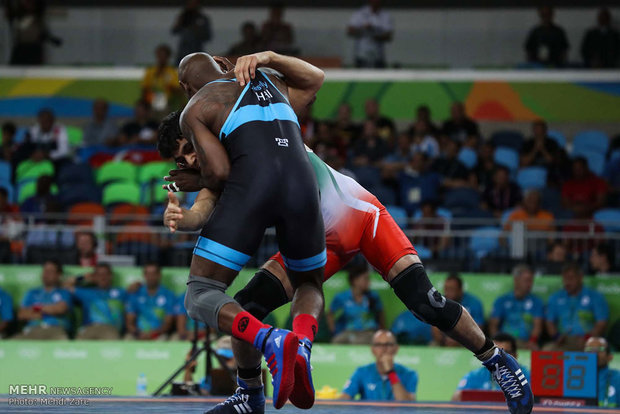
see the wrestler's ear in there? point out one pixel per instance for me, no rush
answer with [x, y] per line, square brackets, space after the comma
[225, 64]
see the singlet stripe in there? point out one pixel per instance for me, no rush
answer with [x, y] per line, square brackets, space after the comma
[250, 113]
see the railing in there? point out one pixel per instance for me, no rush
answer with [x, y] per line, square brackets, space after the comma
[444, 244]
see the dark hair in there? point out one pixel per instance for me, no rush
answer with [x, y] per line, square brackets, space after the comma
[168, 134]
[152, 263]
[9, 127]
[355, 272]
[4, 192]
[504, 337]
[45, 111]
[56, 264]
[165, 48]
[606, 250]
[499, 167]
[455, 276]
[104, 265]
[572, 267]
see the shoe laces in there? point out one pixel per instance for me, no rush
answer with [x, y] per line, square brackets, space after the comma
[237, 398]
[507, 381]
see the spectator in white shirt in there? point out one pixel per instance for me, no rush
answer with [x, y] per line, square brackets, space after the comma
[50, 136]
[371, 27]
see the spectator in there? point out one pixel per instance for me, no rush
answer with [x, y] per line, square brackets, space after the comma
[575, 312]
[43, 202]
[100, 129]
[459, 127]
[150, 311]
[193, 28]
[355, 314]
[431, 221]
[338, 164]
[5, 206]
[371, 27]
[519, 313]
[530, 212]
[346, 130]
[385, 126]
[424, 141]
[396, 161]
[8, 145]
[417, 184]
[185, 324]
[370, 149]
[141, 129]
[557, 253]
[49, 136]
[423, 114]
[250, 41]
[7, 211]
[602, 260]
[547, 43]
[502, 194]
[6, 313]
[29, 31]
[584, 193]
[543, 151]
[276, 34]
[382, 380]
[453, 172]
[86, 245]
[486, 167]
[102, 304]
[600, 47]
[608, 378]
[160, 84]
[46, 309]
[453, 289]
[409, 330]
[481, 379]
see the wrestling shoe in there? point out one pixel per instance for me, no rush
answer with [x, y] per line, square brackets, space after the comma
[279, 347]
[303, 391]
[244, 400]
[512, 381]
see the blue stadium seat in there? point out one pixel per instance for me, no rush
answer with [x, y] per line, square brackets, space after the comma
[504, 219]
[462, 198]
[558, 137]
[9, 189]
[423, 252]
[484, 240]
[399, 215]
[532, 178]
[441, 212]
[468, 157]
[71, 194]
[20, 135]
[368, 177]
[75, 173]
[596, 141]
[510, 139]
[596, 160]
[6, 173]
[612, 216]
[615, 155]
[508, 157]
[189, 199]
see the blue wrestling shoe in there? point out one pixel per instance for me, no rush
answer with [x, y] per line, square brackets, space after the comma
[512, 381]
[303, 391]
[244, 400]
[279, 347]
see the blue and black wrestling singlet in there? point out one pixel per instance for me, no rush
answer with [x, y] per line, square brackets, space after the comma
[271, 183]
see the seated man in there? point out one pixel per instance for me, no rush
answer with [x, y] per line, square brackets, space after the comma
[6, 312]
[185, 324]
[530, 212]
[46, 309]
[481, 378]
[383, 380]
[575, 312]
[355, 314]
[519, 313]
[453, 289]
[150, 310]
[102, 305]
[608, 379]
[410, 330]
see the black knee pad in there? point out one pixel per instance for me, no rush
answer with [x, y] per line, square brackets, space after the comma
[416, 291]
[263, 294]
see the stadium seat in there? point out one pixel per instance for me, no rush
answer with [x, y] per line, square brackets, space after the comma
[9, 189]
[75, 135]
[188, 199]
[615, 155]
[80, 213]
[153, 193]
[20, 135]
[399, 215]
[75, 173]
[116, 171]
[484, 240]
[122, 192]
[596, 160]
[71, 194]
[510, 139]
[505, 215]
[154, 171]
[462, 198]
[29, 189]
[532, 178]
[611, 216]
[596, 141]
[468, 157]
[558, 137]
[385, 194]
[508, 157]
[127, 213]
[441, 212]
[31, 170]
[6, 173]
[423, 252]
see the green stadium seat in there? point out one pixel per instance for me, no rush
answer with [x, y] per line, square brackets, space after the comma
[154, 171]
[31, 170]
[75, 135]
[122, 192]
[155, 191]
[116, 171]
[29, 188]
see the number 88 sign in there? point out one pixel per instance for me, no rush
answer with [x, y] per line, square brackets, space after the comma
[564, 375]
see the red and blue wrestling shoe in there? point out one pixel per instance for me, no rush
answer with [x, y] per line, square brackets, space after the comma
[303, 391]
[279, 347]
[507, 372]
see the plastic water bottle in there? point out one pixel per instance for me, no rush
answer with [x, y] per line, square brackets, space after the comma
[141, 385]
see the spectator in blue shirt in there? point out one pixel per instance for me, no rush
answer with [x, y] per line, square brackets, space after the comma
[608, 379]
[102, 304]
[453, 289]
[410, 330]
[575, 312]
[6, 312]
[519, 313]
[150, 310]
[185, 324]
[382, 380]
[46, 309]
[355, 314]
[481, 379]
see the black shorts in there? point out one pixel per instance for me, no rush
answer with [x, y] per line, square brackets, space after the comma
[271, 183]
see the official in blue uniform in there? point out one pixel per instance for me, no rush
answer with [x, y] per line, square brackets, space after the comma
[608, 379]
